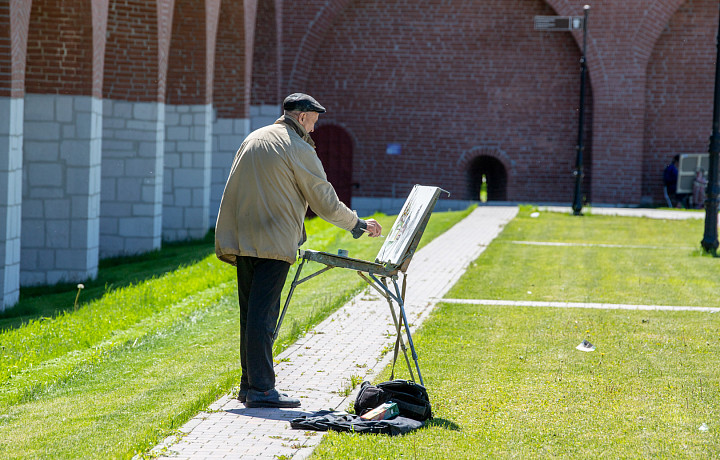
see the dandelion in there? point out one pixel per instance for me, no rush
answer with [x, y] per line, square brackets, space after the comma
[80, 287]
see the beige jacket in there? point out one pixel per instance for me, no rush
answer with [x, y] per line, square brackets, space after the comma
[274, 176]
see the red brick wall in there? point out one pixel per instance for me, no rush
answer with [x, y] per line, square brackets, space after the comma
[14, 19]
[5, 51]
[446, 79]
[679, 94]
[266, 58]
[523, 115]
[60, 52]
[231, 86]
[192, 46]
[131, 54]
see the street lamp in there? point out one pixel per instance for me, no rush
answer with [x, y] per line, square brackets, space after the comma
[710, 238]
[577, 198]
[562, 24]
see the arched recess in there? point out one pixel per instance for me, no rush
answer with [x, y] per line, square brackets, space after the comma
[488, 169]
[265, 97]
[133, 129]
[231, 91]
[679, 91]
[620, 40]
[62, 139]
[188, 120]
[334, 147]
[439, 93]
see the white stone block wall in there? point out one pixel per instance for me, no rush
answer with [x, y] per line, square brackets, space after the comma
[186, 182]
[263, 115]
[11, 140]
[61, 188]
[228, 134]
[132, 177]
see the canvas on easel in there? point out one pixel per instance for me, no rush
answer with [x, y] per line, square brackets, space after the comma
[394, 255]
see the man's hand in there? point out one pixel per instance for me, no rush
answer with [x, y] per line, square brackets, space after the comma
[374, 229]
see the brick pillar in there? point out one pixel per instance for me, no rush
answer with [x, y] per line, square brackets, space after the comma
[186, 195]
[134, 127]
[132, 177]
[62, 141]
[11, 131]
[188, 120]
[14, 18]
[231, 93]
[61, 188]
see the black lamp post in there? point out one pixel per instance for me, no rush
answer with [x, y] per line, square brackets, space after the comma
[710, 238]
[577, 199]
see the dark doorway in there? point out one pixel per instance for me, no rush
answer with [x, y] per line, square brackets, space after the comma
[492, 172]
[334, 148]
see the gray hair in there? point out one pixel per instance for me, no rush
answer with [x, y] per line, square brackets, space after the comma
[292, 113]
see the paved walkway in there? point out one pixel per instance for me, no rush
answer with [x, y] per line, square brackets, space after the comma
[318, 368]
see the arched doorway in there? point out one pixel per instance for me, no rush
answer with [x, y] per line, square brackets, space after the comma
[334, 148]
[490, 170]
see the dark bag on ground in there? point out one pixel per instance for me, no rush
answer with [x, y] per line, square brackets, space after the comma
[327, 420]
[412, 399]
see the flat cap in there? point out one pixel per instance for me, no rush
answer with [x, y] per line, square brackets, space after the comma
[302, 102]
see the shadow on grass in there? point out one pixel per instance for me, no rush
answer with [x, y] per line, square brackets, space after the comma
[443, 423]
[39, 302]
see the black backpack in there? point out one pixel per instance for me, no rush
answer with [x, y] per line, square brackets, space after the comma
[412, 399]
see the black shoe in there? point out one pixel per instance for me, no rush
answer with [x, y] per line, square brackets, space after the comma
[270, 398]
[242, 395]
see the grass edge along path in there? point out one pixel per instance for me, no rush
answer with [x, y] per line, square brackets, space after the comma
[507, 381]
[67, 419]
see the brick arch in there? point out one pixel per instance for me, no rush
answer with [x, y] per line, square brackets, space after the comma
[463, 162]
[132, 52]
[233, 51]
[486, 160]
[66, 57]
[307, 32]
[679, 90]
[643, 41]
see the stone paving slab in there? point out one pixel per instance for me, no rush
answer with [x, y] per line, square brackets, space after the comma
[318, 367]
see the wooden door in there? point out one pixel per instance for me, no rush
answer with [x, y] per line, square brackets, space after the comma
[334, 148]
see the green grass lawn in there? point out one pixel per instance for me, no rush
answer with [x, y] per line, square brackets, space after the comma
[643, 261]
[508, 382]
[147, 348]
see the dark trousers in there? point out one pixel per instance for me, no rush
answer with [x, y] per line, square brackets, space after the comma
[260, 283]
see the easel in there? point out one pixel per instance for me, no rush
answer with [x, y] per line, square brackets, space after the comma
[393, 257]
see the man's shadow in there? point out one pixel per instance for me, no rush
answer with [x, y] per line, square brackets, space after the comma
[270, 413]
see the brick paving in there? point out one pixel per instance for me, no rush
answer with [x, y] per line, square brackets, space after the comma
[318, 367]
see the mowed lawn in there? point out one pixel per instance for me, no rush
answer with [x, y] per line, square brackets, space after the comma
[508, 381]
[154, 340]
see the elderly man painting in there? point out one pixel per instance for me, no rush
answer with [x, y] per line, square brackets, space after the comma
[275, 175]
